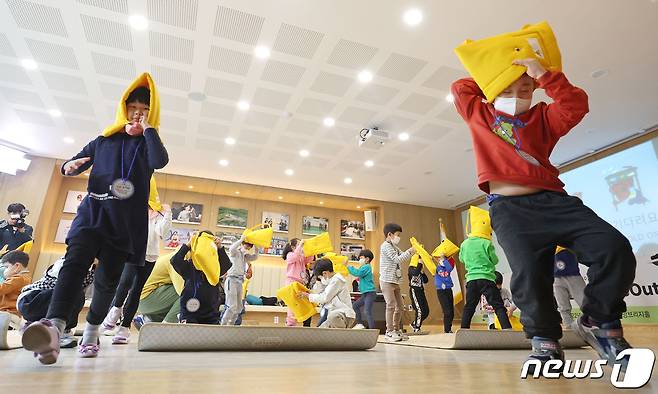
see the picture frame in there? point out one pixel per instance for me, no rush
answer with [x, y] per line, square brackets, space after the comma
[314, 225]
[227, 238]
[176, 237]
[352, 229]
[351, 250]
[186, 212]
[73, 200]
[232, 217]
[280, 222]
[62, 230]
[276, 249]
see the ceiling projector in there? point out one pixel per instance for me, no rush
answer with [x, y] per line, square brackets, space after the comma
[372, 138]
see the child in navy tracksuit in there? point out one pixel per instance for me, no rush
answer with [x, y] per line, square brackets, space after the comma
[443, 283]
[417, 279]
[111, 225]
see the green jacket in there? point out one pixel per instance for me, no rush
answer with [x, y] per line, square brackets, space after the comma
[479, 257]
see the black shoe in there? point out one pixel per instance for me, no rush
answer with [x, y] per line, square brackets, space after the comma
[544, 349]
[492, 326]
[607, 339]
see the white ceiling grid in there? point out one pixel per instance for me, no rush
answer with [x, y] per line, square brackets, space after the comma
[87, 53]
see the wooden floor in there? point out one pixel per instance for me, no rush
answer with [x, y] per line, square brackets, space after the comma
[385, 369]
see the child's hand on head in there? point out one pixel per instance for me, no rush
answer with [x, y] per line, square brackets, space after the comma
[534, 69]
[71, 166]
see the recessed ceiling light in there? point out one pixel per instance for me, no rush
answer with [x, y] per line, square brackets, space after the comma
[369, 163]
[450, 195]
[237, 192]
[223, 162]
[190, 187]
[321, 202]
[229, 141]
[599, 73]
[450, 98]
[347, 181]
[365, 76]
[243, 105]
[428, 173]
[55, 113]
[358, 207]
[290, 172]
[68, 140]
[196, 96]
[304, 153]
[403, 136]
[402, 188]
[329, 122]
[280, 197]
[29, 64]
[138, 22]
[262, 52]
[413, 17]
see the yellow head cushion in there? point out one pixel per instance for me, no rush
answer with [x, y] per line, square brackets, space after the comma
[259, 235]
[338, 262]
[480, 223]
[319, 244]
[302, 308]
[154, 197]
[446, 248]
[121, 117]
[414, 260]
[489, 60]
[26, 247]
[424, 256]
[205, 257]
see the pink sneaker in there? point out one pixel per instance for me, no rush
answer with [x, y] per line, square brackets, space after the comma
[42, 338]
[88, 350]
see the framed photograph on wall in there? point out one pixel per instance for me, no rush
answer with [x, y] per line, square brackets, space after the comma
[62, 231]
[351, 250]
[278, 221]
[232, 217]
[186, 212]
[177, 237]
[73, 200]
[352, 229]
[228, 238]
[276, 249]
[313, 225]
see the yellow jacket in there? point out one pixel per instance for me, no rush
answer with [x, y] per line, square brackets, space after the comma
[163, 274]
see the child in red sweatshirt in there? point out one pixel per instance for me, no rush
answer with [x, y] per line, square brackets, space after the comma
[532, 214]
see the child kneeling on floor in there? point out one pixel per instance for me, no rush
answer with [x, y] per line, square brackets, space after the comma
[199, 300]
[335, 296]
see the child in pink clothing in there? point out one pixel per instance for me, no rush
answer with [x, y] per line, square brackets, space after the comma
[296, 271]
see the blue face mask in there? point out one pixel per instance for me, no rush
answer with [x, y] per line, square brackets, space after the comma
[2, 273]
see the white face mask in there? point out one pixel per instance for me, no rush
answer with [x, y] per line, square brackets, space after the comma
[395, 240]
[512, 106]
[362, 261]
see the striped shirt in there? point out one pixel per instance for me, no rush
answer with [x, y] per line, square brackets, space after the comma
[390, 262]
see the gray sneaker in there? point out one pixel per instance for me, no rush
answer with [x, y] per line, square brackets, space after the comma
[402, 335]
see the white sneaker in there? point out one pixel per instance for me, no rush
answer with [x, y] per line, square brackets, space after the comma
[359, 327]
[392, 336]
[402, 335]
[122, 337]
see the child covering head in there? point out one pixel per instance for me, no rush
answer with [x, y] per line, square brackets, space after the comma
[112, 221]
[240, 257]
[16, 276]
[478, 254]
[366, 287]
[335, 297]
[391, 259]
[568, 284]
[296, 271]
[417, 279]
[34, 300]
[199, 300]
[532, 214]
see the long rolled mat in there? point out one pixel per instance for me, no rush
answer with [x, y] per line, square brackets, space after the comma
[160, 337]
[465, 339]
[8, 339]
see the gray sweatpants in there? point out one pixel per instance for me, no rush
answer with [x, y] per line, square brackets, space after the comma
[233, 287]
[565, 288]
[337, 320]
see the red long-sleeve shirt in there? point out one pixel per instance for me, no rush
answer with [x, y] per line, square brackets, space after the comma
[534, 132]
